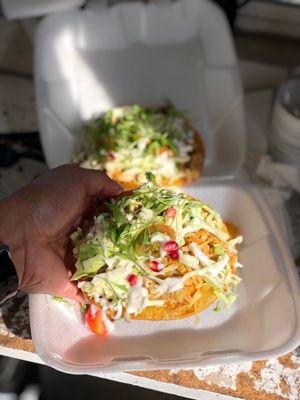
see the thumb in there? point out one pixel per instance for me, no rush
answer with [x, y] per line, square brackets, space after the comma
[98, 184]
[49, 275]
[69, 290]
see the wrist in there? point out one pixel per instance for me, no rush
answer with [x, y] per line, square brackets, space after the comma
[12, 233]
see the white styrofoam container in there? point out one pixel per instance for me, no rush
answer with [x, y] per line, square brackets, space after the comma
[285, 122]
[263, 322]
[15, 9]
[87, 61]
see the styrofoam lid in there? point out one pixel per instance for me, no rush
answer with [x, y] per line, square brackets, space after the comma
[15, 9]
[285, 119]
[89, 61]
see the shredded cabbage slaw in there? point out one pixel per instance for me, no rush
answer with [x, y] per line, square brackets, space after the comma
[128, 259]
[127, 142]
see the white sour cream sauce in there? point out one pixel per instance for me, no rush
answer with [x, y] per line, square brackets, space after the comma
[138, 296]
[214, 268]
[204, 260]
[137, 299]
[170, 285]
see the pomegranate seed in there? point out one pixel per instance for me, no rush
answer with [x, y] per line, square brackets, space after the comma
[174, 254]
[170, 246]
[156, 266]
[111, 155]
[133, 280]
[171, 212]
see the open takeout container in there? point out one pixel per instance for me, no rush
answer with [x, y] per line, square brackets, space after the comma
[87, 61]
[263, 322]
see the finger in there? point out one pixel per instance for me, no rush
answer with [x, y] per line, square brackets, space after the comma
[98, 184]
[63, 288]
[46, 273]
[69, 290]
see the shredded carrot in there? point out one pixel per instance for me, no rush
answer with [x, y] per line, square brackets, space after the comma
[232, 229]
[163, 149]
[163, 228]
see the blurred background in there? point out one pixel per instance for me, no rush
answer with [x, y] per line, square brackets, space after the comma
[266, 34]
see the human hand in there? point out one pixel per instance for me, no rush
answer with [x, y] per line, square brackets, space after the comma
[36, 222]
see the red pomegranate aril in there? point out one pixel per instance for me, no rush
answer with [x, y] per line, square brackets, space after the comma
[111, 155]
[156, 266]
[133, 280]
[170, 246]
[171, 212]
[174, 254]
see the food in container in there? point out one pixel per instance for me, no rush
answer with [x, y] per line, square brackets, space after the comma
[200, 75]
[128, 141]
[155, 254]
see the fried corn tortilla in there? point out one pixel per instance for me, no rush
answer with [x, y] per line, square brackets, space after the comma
[154, 254]
[192, 299]
[128, 141]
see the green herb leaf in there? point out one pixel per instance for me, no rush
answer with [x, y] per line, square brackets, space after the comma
[150, 176]
[218, 250]
[121, 287]
[84, 308]
[59, 299]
